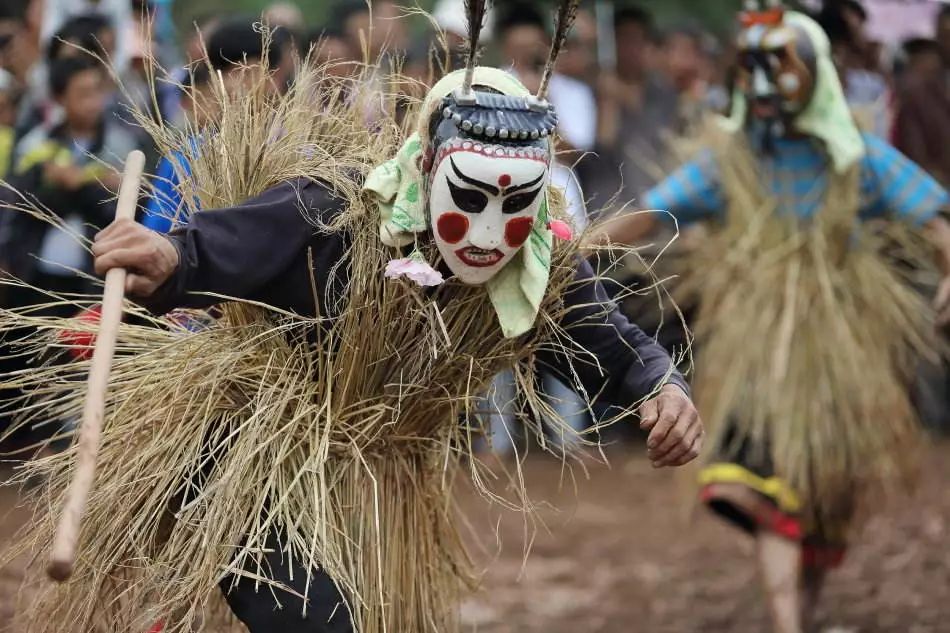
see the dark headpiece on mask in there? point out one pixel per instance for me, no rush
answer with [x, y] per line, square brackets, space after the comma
[479, 115]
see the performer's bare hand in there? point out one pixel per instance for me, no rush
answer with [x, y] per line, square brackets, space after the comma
[942, 303]
[149, 258]
[676, 432]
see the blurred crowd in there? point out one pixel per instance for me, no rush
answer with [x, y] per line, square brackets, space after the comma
[625, 89]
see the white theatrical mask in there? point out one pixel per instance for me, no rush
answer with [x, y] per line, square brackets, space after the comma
[483, 203]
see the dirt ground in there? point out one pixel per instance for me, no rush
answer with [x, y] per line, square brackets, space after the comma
[623, 555]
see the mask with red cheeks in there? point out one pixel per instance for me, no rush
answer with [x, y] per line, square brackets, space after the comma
[483, 204]
[486, 182]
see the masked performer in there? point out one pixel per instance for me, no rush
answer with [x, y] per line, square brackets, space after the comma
[806, 332]
[299, 451]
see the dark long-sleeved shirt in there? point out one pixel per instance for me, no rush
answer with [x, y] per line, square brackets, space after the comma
[263, 251]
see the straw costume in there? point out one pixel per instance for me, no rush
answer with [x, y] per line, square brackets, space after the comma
[304, 442]
[838, 324]
[807, 333]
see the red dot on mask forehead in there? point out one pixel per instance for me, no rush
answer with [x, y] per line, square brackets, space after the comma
[452, 227]
[517, 231]
[504, 180]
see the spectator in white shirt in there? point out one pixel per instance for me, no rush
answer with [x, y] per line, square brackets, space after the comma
[524, 43]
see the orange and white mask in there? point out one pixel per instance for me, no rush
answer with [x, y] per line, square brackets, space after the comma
[777, 68]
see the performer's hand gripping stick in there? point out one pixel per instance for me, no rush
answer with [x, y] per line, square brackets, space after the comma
[67, 532]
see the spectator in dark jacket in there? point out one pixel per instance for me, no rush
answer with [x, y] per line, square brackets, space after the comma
[69, 169]
[923, 120]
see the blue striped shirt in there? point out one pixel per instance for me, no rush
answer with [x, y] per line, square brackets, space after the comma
[891, 186]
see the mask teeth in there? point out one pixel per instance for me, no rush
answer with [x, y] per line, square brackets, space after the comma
[493, 151]
[448, 147]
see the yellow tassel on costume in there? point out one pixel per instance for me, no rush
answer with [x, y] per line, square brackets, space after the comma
[787, 499]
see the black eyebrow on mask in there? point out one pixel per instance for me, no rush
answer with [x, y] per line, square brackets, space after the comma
[471, 181]
[527, 185]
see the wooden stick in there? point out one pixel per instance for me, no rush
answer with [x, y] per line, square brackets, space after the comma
[67, 533]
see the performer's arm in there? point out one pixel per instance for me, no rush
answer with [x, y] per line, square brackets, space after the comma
[614, 358]
[689, 194]
[251, 251]
[902, 190]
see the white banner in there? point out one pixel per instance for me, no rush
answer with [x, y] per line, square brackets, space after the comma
[892, 21]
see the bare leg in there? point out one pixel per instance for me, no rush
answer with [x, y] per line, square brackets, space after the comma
[780, 566]
[813, 580]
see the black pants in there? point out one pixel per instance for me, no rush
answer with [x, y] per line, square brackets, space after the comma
[262, 612]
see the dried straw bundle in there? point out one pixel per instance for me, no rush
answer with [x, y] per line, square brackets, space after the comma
[349, 447]
[808, 335]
